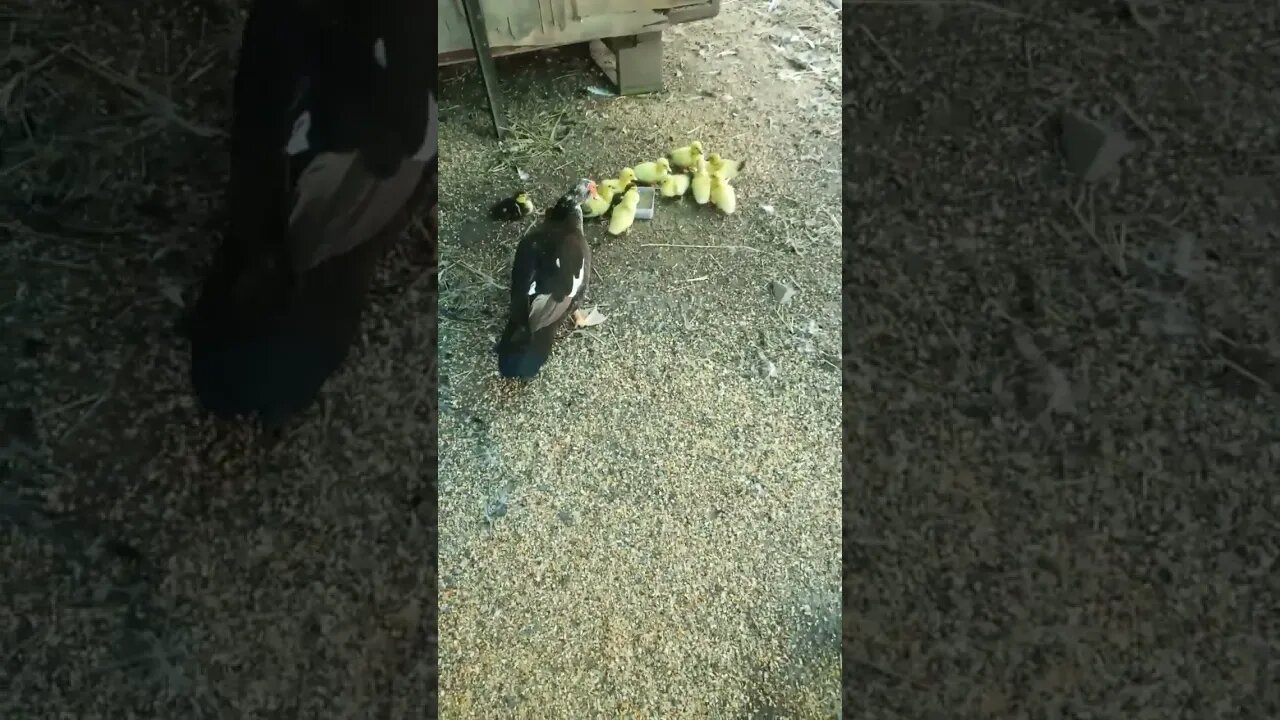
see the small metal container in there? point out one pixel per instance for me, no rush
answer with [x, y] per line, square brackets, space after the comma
[648, 202]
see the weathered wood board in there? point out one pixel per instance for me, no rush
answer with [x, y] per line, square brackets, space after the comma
[522, 25]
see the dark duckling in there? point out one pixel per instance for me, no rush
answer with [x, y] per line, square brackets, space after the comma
[512, 208]
[333, 147]
[549, 274]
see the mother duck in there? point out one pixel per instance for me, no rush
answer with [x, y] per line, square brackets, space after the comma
[333, 147]
[548, 276]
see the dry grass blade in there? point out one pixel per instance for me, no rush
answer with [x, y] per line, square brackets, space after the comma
[465, 302]
[888, 56]
[536, 137]
[1248, 374]
[146, 98]
[1113, 248]
[701, 247]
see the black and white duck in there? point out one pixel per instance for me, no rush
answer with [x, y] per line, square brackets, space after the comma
[548, 276]
[333, 147]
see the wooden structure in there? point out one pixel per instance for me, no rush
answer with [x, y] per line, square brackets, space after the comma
[626, 35]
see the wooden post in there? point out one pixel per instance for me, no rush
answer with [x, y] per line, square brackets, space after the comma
[636, 62]
[484, 58]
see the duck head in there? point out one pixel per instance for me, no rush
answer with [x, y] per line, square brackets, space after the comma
[570, 204]
[581, 191]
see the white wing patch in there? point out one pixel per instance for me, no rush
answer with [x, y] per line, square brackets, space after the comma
[577, 280]
[533, 288]
[298, 141]
[380, 53]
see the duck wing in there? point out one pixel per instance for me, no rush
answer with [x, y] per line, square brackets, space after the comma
[347, 194]
[340, 202]
[558, 265]
[548, 308]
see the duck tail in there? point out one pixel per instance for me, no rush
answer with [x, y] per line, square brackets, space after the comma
[521, 365]
[521, 355]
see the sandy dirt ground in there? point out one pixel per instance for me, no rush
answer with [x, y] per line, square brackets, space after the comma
[650, 528]
[1060, 400]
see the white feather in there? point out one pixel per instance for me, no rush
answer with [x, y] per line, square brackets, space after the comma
[298, 142]
[533, 288]
[557, 262]
[380, 53]
[577, 280]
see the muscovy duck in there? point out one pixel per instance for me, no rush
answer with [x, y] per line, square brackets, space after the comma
[549, 274]
[333, 147]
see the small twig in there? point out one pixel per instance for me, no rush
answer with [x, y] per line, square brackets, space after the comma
[70, 405]
[1248, 374]
[108, 392]
[702, 247]
[166, 107]
[18, 165]
[955, 339]
[1137, 121]
[482, 275]
[102, 397]
[64, 264]
[1089, 225]
[883, 50]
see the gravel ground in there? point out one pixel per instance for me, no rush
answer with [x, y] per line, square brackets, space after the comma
[1061, 426]
[650, 528]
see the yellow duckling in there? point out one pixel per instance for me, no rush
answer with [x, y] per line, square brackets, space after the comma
[512, 208]
[625, 213]
[722, 194]
[598, 204]
[618, 184]
[653, 172]
[724, 166]
[674, 185]
[686, 157]
[701, 183]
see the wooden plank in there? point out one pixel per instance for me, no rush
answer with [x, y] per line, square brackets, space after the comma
[587, 8]
[592, 28]
[517, 26]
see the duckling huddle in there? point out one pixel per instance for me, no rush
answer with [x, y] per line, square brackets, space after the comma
[682, 170]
